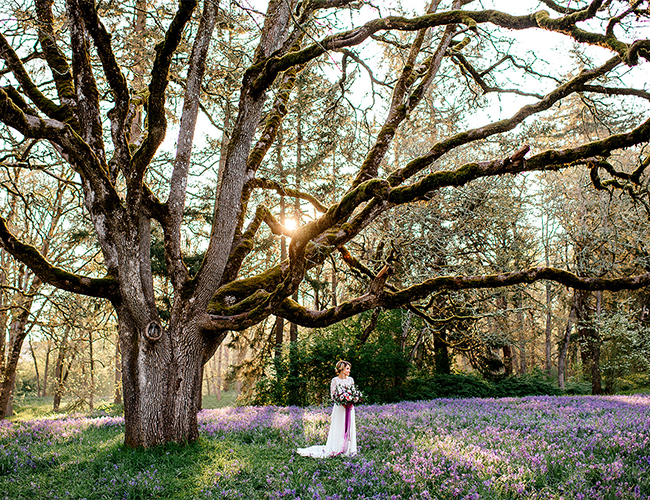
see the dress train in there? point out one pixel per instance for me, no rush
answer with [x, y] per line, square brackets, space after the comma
[339, 442]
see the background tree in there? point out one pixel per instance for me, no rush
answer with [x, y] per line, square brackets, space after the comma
[38, 211]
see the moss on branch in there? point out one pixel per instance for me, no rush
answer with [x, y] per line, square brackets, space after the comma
[27, 254]
[420, 291]
[265, 71]
[55, 58]
[50, 108]
[156, 121]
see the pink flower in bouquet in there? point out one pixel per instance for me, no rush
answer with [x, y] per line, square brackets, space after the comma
[347, 395]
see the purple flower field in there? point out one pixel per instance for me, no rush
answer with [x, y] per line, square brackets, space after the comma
[534, 447]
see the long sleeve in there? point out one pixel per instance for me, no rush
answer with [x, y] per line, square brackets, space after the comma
[333, 387]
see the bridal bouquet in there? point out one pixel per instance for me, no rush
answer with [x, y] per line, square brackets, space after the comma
[347, 395]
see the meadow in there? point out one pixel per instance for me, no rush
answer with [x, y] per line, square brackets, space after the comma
[579, 447]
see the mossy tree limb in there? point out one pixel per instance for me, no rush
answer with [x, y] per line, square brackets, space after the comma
[61, 112]
[29, 255]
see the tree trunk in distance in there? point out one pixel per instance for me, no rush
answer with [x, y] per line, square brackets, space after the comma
[564, 348]
[47, 367]
[38, 375]
[219, 381]
[507, 360]
[547, 331]
[91, 395]
[441, 354]
[58, 375]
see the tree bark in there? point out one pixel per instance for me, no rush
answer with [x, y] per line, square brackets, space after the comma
[370, 327]
[547, 331]
[18, 333]
[38, 375]
[589, 342]
[117, 387]
[219, 377]
[564, 347]
[47, 367]
[523, 365]
[441, 353]
[59, 377]
[91, 389]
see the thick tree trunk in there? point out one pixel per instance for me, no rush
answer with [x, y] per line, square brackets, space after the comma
[162, 374]
[7, 388]
[18, 332]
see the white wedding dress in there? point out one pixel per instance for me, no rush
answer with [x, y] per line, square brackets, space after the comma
[337, 444]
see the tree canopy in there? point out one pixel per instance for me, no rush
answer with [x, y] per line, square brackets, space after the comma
[344, 111]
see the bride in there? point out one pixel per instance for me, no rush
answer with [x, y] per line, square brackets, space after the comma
[342, 438]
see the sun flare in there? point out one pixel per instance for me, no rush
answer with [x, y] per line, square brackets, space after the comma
[290, 224]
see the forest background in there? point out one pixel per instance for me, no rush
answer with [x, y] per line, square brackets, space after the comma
[525, 339]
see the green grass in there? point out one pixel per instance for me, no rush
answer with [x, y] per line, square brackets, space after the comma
[96, 465]
[28, 407]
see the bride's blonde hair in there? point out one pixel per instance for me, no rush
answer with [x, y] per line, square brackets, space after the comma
[340, 366]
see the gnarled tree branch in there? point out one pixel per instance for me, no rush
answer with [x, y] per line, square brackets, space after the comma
[30, 256]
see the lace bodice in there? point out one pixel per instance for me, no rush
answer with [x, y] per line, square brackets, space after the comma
[339, 381]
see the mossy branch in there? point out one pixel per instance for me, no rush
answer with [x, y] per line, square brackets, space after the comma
[115, 77]
[55, 58]
[528, 276]
[292, 311]
[156, 121]
[107, 288]
[547, 160]
[80, 155]
[267, 69]
[439, 149]
[282, 190]
[44, 104]
[271, 128]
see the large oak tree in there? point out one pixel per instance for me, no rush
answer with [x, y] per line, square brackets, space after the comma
[85, 109]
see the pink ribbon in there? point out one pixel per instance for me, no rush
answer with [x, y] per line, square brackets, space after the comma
[346, 435]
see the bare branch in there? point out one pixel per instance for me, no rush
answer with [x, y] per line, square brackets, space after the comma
[177, 193]
[89, 166]
[86, 92]
[116, 80]
[466, 67]
[401, 102]
[286, 191]
[599, 89]
[53, 55]
[559, 8]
